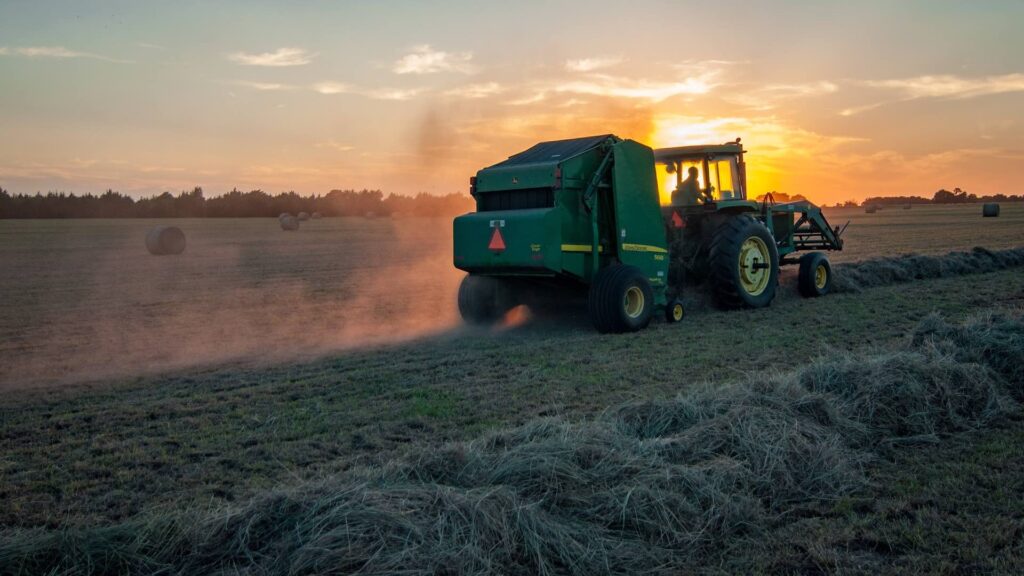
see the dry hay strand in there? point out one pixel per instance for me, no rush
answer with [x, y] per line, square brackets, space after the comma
[661, 486]
[165, 240]
[289, 222]
[856, 276]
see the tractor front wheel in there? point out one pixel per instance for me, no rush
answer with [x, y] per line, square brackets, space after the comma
[815, 276]
[744, 263]
[483, 300]
[620, 300]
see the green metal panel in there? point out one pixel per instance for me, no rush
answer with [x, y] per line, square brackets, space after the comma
[532, 241]
[639, 229]
[577, 233]
[516, 177]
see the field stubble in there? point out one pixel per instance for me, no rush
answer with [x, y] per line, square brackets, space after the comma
[88, 302]
[83, 300]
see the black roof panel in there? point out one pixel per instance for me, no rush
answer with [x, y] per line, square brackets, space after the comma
[554, 151]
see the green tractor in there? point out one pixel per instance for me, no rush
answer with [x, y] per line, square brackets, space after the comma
[584, 216]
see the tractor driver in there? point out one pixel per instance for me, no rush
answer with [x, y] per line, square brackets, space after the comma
[688, 192]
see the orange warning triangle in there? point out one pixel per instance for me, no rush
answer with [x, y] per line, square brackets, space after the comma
[497, 242]
[677, 220]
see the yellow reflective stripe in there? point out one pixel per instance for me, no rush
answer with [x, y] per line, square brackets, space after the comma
[580, 248]
[643, 248]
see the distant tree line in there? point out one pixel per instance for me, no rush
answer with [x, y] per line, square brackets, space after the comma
[234, 204]
[957, 196]
[780, 197]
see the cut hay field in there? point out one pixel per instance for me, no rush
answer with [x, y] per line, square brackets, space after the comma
[137, 386]
[82, 299]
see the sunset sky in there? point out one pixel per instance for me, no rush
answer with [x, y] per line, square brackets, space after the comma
[834, 100]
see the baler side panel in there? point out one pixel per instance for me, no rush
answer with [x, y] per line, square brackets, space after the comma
[639, 229]
[575, 221]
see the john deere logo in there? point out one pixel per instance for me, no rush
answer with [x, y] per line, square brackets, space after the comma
[535, 247]
[515, 180]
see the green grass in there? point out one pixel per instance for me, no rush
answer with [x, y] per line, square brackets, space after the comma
[205, 425]
[700, 481]
[101, 453]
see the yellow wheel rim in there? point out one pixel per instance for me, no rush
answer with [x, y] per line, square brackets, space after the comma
[755, 265]
[820, 276]
[677, 312]
[634, 302]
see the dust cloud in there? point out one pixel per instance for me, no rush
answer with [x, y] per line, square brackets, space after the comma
[88, 303]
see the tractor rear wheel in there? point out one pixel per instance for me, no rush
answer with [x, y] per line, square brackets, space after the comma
[815, 277]
[483, 300]
[744, 263]
[620, 300]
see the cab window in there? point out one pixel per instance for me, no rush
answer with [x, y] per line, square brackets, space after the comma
[722, 172]
[673, 174]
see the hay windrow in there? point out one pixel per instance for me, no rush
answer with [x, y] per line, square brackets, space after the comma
[655, 487]
[857, 276]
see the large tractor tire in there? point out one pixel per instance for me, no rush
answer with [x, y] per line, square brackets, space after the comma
[815, 277]
[744, 264]
[620, 300]
[483, 300]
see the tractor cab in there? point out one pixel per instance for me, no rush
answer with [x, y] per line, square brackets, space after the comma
[698, 178]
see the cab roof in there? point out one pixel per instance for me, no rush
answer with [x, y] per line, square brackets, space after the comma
[729, 148]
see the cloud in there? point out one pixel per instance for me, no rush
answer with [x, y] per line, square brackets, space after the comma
[278, 58]
[264, 86]
[769, 96]
[476, 90]
[332, 88]
[393, 93]
[858, 109]
[591, 64]
[948, 86]
[690, 79]
[58, 52]
[527, 100]
[425, 60]
[942, 87]
[640, 89]
[334, 146]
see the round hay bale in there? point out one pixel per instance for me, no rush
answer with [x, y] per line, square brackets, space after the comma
[165, 240]
[990, 210]
[283, 215]
[303, 216]
[316, 216]
[871, 209]
[289, 222]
